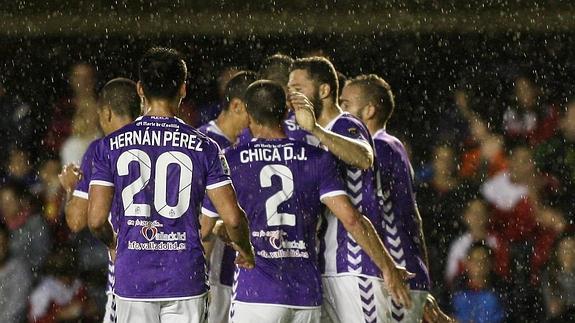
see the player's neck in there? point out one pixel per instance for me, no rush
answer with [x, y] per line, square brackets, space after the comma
[228, 126]
[329, 112]
[162, 108]
[119, 122]
[373, 127]
[263, 132]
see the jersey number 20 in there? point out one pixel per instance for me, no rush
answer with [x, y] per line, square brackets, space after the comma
[160, 182]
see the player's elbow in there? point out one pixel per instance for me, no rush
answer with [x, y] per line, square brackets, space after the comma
[75, 218]
[351, 222]
[96, 221]
[366, 159]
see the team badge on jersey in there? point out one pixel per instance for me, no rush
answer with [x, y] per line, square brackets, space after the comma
[224, 162]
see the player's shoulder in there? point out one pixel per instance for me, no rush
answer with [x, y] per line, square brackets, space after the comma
[386, 141]
[348, 123]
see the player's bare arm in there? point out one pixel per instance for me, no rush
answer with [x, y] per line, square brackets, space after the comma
[207, 233]
[353, 152]
[99, 205]
[224, 200]
[76, 208]
[364, 233]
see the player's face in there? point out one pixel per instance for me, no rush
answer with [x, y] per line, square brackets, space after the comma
[351, 100]
[299, 81]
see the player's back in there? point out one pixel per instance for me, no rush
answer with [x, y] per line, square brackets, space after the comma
[160, 168]
[280, 184]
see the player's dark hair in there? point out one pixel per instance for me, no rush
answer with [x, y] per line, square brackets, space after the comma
[266, 102]
[377, 92]
[121, 95]
[321, 70]
[237, 86]
[276, 68]
[162, 73]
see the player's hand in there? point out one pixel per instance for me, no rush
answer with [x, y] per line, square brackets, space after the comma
[70, 176]
[395, 280]
[304, 112]
[245, 258]
[433, 314]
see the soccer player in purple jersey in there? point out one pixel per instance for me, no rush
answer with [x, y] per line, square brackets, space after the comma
[353, 288]
[224, 130]
[283, 205]
[370, 98]
[160, 265]
[118, 105]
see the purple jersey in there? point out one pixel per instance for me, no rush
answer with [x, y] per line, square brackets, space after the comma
[341, 254]
[159, 254]
[212, 130]
[280, 184]
[222, 258]
[401, 234]
[291, 128]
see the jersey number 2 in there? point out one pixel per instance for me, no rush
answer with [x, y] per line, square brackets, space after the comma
[160, 182]
[274, 217]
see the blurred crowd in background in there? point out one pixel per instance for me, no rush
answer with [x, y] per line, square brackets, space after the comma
[494, 165]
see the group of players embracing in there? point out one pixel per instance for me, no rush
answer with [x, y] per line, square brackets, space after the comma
[295, 197]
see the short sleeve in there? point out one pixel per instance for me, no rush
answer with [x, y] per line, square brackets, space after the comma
[208, 208]
[218, 169]
[351, 128]
[102, 171]
[83, 185]
[330, 181]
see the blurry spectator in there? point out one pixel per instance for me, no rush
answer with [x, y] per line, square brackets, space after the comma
[60, 296]
[557, 157]
[49, 189]
[559, 282]
[211, 110]
[29, 235]
[516, 197]
[74, 118]
[15, 282]
[440, 198]
[484, 154]
[452, 123]
[476, 218]
[477, 298]
[529, 119]
[20, 169]
[16, 123]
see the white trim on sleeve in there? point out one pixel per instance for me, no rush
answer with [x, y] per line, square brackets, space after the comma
[332, 194]
[209, 213]
[80, 194]
[101, 183]
[219, 184]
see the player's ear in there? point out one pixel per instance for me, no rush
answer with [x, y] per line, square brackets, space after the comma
[370, 112]
[183, 91]
[324, 90]
[140, 89]
[236, 105]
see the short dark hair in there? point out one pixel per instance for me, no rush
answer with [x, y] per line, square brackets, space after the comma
[266, 102]
[377, 92]
[237, 86]
[162, 72]
[121, 95]
[321, 70]
[276, 68]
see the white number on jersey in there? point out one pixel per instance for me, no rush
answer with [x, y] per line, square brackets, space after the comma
[160, 180]
[274, 217]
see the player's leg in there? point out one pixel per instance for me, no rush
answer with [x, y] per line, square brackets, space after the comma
[110, 316]
[220, 301]
[137, 312]
[194, 310]
[356, 299]
[306, 315]
[255, 313]
[400, 314]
